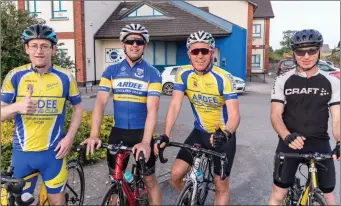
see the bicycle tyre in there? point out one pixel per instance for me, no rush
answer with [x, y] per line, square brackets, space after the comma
[73, 164]
[203, 189]
[115, 188]
[187, 190]
[318, 199]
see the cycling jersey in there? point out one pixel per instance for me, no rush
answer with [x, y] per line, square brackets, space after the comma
[44, 129]
[306, 101]
[207, 93]
[130, 87]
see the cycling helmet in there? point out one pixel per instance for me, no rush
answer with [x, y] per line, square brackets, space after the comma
[306, 38]
[201, 36]
[134, 29]
[39, 31]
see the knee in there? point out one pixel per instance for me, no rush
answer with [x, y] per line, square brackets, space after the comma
[57, 199]
[176, 176]
[222, 186]
[150, 181]
[278, 193]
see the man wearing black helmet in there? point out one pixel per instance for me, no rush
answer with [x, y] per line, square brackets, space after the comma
[301, 101]
[35, 95]
[136, 89]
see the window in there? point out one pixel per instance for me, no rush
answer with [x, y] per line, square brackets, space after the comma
[57, 9]
[32, 7]
[160, 53]
[145, 10]
[256, 61]
[174, 70]
[171, 53]
[256, 30]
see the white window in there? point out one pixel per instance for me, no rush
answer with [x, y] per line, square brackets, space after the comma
[160, 53]
[171, 53]
[256, 30]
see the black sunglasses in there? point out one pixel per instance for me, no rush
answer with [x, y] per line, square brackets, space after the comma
[309, 51]
[204, 51]
[139, 42]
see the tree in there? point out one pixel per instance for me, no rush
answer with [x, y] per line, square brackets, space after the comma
[285, 43]
[13, 23]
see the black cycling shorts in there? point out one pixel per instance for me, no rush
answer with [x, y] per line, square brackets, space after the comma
[129, 137]
[203, 139]
[326, 178]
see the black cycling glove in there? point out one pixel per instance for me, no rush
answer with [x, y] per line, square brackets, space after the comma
[219, 138]
[291, 137]
[162, 139]
[336, 150]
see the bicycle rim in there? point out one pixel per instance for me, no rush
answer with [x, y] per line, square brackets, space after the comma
[185, 195]
[75, 185]
[317, 199]
[114, 195]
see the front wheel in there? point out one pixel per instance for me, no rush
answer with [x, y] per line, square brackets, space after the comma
[317, 199]
[75, 185]
[114, 195]
[168, 88]
[186, 195]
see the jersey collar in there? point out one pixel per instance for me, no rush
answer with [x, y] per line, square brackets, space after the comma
[303, 74]
[33, 68]
[205, 72]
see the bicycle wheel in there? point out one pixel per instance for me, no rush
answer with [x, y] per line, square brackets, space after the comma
[204, 186]
[114, 192]
[317, 199]
[75, 185]
[185, 195]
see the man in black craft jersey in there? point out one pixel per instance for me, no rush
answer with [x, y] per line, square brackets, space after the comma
[301, 101]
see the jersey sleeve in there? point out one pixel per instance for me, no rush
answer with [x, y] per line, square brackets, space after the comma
[229, 91]
[105, 83]
[335, 99]
[277, 94]
[154, 86]
[179, 81]
[74, 95]
[8, 90]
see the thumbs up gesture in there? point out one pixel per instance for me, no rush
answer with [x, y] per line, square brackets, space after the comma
[28, 105]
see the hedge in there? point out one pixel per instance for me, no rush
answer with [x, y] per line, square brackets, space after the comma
[7, 130]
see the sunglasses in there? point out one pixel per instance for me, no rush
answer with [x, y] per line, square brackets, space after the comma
[309, 51]
[139, 42]
[203, 51]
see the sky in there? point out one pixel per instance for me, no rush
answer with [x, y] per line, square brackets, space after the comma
[323, 16]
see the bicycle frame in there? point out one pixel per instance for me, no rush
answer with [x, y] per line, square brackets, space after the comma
[311, 185]
[118, 177]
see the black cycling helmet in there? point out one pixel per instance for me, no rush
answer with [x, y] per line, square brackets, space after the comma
[306, 38]
[39, 31]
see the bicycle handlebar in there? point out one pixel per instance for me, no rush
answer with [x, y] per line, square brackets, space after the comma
[15, 186]
[316, 156]
[221, 156]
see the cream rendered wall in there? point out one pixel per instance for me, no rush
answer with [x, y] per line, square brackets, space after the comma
[235, 12]
[69, 45]
[259, 40]
[261, 53]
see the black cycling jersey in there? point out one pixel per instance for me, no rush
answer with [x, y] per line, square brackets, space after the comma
[306, 101]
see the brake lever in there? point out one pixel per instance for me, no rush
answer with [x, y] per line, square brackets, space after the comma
[161, 150]
[223, 162]
[142, 163]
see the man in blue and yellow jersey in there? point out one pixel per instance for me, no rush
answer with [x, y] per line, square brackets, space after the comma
[136, 89]
[215, 106]
[35, 96]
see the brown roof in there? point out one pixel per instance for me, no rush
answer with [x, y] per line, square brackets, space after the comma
[176, 22]
[264, 9]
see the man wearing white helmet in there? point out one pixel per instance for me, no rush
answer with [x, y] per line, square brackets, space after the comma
[211, 91]
[136, 88]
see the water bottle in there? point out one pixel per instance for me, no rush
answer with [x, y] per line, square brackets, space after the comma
[128, 177]
[200, 176]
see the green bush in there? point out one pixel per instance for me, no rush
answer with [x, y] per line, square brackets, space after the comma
[7, 130]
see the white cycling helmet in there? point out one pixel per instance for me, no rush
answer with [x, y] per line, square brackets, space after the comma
[201, 36]
[134, 29]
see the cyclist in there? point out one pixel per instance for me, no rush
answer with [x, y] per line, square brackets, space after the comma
[136, 88]
[211, 91]
[35, 96]
[301, 101]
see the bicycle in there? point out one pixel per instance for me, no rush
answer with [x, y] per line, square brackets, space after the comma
[11, 189]
[71, 196]
[126, 193]
[195, 191]
[309, 193]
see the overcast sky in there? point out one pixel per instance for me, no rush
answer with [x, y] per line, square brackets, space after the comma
[323, 16]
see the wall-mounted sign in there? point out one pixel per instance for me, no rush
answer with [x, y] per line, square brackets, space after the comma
[114, 55]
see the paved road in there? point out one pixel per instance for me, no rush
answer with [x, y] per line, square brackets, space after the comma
[251, 175]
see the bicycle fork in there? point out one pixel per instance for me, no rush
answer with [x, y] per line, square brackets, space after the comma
[312, 185]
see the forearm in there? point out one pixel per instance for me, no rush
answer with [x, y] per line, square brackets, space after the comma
[96, 119]
[336, 130]
[76, 120]
[278, 125]
[150, 125]
[233, 122]
[172, 115]
[8, 111]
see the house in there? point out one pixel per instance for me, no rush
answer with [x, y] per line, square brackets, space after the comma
[90, 31]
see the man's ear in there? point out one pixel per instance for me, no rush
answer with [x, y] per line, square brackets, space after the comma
[26, 48]
[54, 49]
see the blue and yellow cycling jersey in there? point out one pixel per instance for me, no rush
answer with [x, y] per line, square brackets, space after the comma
[130, 88]
[44, 129]
[207, 93]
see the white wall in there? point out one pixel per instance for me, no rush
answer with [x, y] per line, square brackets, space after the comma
[69, 44]
[233, 11]
[59, 25]
[95, 13]
[261, 53]
[259, 40]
